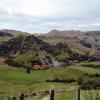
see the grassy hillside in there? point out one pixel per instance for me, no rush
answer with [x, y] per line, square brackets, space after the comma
[73, 43]
[24, 51]
[78, 41]
[87, 69]
[15, 80]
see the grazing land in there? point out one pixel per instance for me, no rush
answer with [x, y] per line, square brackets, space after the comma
[15, 80]
[59, 60]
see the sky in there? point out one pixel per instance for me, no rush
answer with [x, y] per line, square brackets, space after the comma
[41, 16]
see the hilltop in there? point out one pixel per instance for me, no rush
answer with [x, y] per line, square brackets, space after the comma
[70, 33]
[73, 38]
[6, 34]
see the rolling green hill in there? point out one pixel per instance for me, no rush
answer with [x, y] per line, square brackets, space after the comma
[25, 52]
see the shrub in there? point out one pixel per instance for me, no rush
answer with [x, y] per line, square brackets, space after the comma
[86, 82]
[57, 79]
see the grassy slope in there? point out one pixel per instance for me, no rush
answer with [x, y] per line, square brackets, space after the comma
[73, 44]
[89, 70]
[14, 80]
[94, 63]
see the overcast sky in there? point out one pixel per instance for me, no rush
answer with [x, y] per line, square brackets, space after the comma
[41, 16]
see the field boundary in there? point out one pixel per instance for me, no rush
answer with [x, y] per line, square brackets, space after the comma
[48, 93]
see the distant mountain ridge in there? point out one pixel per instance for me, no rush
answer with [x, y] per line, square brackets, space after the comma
[78, 41]
[93, 32]
[7, 32]
[70, 33]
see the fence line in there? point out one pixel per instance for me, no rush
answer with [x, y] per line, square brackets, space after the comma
[52, 93]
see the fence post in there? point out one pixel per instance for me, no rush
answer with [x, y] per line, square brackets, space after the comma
[21, 97]
[52, 95]
[78, 94]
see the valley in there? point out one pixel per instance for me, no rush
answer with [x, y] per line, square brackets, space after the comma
[15, 80]
[30, 64]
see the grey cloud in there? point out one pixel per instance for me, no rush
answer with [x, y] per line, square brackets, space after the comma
[71, 14]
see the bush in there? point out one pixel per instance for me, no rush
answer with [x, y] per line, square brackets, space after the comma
[90, 84]
[86, 82]
[57, 79]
